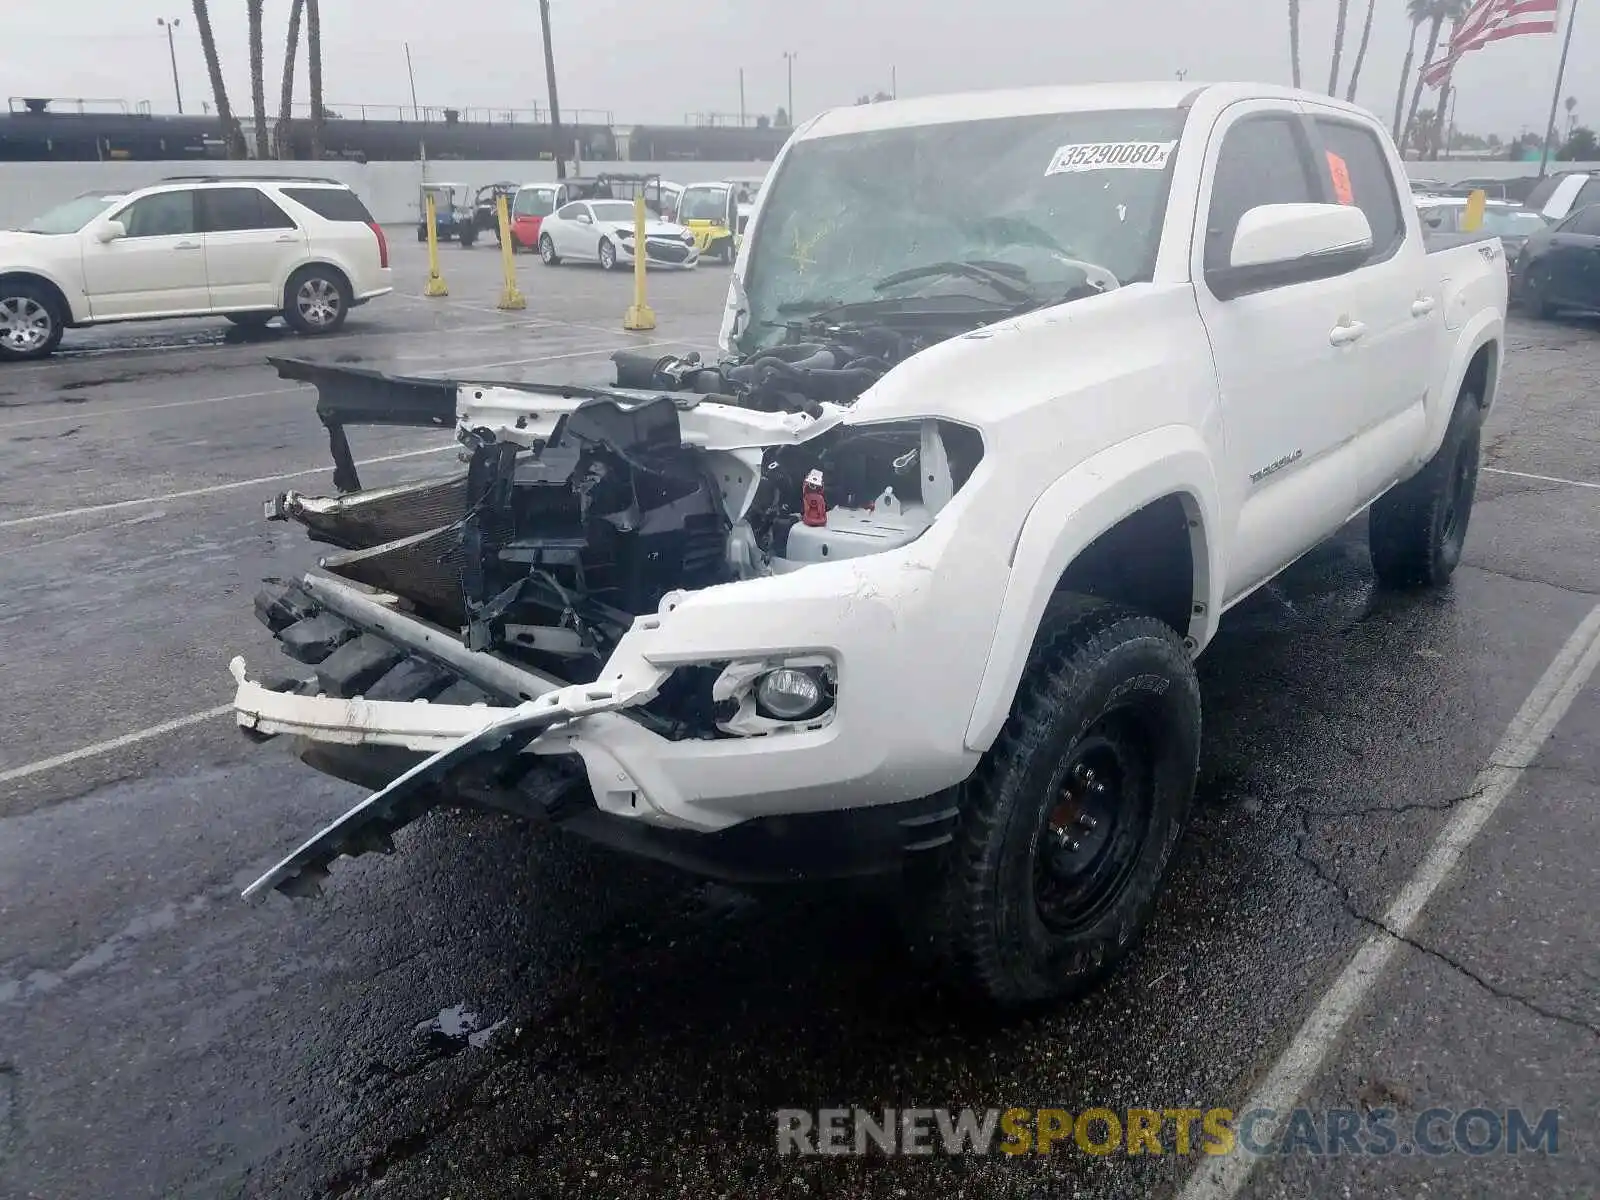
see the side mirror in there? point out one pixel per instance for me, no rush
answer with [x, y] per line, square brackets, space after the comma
[1280, 244]
[110, 231]
[585, 219]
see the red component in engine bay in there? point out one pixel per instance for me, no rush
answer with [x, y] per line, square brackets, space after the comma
[813, 504]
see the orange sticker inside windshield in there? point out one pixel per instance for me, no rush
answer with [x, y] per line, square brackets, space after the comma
[1341, 179]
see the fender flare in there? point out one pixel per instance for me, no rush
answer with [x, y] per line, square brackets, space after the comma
[1070, 514]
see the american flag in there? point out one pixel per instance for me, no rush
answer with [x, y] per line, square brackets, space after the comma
[1492, 21]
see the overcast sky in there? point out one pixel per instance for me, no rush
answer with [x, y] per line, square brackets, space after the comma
[488, 52]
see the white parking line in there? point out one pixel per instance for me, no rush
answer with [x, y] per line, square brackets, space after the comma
[117, 505]
[1541, 478]
[1224, 1177]
[117, 743]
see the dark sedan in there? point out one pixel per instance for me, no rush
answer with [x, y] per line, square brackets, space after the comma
[1559, 267]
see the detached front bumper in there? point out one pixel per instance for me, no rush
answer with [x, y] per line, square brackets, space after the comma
[724, 806]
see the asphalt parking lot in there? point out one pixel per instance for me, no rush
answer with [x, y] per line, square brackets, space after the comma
[492, 1013]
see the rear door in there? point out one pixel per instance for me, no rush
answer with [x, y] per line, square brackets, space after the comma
[158, 269]
[1394, 298]
[251, 246]
[1289, 381]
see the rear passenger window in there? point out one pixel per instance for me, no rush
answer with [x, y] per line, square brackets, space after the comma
[1261, 162]
[1587, 195]
[1359, 171]
[226, 210]
[331, 203]
[1585, 223]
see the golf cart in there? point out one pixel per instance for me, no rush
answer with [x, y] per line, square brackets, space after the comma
[485, 207]
[711, 211]
[452, 216]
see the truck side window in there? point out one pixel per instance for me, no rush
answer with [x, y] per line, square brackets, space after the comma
[1261, 162]
[1584, 223]
[1371, 183]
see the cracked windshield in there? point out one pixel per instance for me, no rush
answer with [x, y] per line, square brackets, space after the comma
[1009, 212]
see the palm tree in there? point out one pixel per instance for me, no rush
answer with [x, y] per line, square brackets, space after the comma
[286, 100]
[1338, 46]
[232, 137]
[314, 53]
[1294, 40]
[1361, 51]
[1417, 11]
[1439, 11]
[258, 88]
[1571, 105]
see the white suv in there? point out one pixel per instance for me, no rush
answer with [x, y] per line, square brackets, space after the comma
[243, 248]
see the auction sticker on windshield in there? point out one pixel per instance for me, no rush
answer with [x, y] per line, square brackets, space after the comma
[1111, 156]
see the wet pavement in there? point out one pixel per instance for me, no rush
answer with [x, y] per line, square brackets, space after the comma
[494, 1012]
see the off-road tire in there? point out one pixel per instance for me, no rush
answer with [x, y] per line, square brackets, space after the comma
[1097, 669]
[547, 251]
[28, 303]
[1417, 529]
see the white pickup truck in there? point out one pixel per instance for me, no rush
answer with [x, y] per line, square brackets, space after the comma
[1021, 391]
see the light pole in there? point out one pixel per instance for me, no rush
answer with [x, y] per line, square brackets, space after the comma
[789, 56]
[172, 50]
[550, 77]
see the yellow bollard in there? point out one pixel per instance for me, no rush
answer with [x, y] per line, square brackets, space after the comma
[510, 297]
[639, 314]
[1472, 219]
[435, 285]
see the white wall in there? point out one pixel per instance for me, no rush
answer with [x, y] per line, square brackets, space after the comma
[388, 188]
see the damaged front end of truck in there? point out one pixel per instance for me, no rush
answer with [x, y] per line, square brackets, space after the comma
[497, 635]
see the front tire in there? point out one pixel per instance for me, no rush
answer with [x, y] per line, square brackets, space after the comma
[1070, 821]
[608, 255]
[316, 300]
[547, 252]
[31, 322]
[1417, 529]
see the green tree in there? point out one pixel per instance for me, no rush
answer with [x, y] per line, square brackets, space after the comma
[1580, 146]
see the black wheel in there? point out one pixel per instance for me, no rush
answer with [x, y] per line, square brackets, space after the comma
[250, 320]
[608, 255]
[547, 251]
[31, 321]
[422, 233]
[316, 300]
[728, 254]
[1069, 823]
[1417, 529]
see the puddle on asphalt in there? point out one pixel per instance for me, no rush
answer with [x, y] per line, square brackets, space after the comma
[458, 1028]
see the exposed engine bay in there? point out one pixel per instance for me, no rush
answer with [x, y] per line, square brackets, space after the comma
[581, 508]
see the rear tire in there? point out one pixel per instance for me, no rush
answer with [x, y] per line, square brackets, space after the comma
[1417, 529]
[316, 300]
[31, 322]
[1070, 821]
[250, 320]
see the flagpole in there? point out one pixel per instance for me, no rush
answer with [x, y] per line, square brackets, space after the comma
[1555, 100]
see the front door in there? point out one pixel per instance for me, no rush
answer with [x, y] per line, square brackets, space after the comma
[1285, 373]
[251, 246]
[158, 269]
[1570, 268]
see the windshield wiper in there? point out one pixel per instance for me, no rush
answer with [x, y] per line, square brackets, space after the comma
[1004, 278]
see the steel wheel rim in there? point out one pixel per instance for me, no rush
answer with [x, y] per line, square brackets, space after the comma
[318, 301]
[25, 324]
[1094, 831]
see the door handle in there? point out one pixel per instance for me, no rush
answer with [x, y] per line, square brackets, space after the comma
[1343, 335]
[288, 237]
[187, 246]
[1422, 306]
